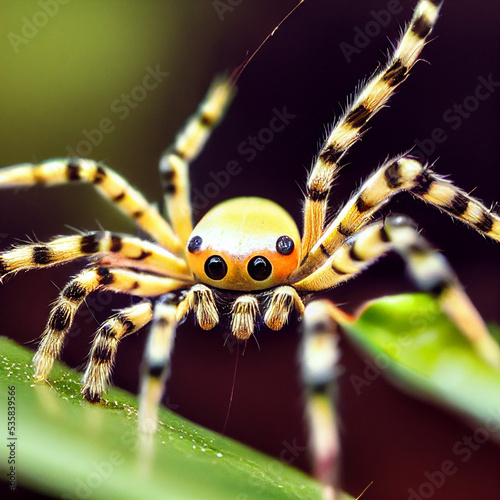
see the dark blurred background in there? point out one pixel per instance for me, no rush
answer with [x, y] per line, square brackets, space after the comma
[66, 71]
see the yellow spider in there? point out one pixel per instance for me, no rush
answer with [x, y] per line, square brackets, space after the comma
[246, 261]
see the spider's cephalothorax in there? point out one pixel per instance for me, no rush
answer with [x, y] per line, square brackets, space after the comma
[250, 250]
[244, 244]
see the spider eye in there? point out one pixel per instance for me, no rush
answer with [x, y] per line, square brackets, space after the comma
[259, 268]
[285, 245]
[215, 267]
[194, 244]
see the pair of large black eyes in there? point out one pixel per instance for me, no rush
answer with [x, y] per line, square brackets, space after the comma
[259, 268]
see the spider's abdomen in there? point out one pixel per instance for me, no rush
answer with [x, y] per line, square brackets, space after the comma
[244, 244]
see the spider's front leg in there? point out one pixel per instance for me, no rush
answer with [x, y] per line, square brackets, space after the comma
[318, 360]
[156, 362]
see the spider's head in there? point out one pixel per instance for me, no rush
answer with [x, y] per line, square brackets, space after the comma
[244, 244]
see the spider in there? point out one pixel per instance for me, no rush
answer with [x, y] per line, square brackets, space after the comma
[246, 261]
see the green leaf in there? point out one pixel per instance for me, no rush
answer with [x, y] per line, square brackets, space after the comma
[413, 343]
[68, 447]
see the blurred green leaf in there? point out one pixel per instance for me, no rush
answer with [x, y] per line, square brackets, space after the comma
[67, 447]
[414, 344]
[71, 448]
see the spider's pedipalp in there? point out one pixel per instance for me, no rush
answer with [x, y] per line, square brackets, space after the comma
[105, 346]
[106, 181]
[279, 305]
[115, 249]
[174, 163]
[72, 295]
[201, 300]
[373, 96]
[243, 315]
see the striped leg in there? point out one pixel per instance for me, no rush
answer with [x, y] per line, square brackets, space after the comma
[373, 96]
[74, 293]
[348, 260]
[106, 181]
[396, 175]
[431, 272]
[111, 248]
[174, 164]
[156, 365]
[105, 345]
[319, 357]
[427, 267]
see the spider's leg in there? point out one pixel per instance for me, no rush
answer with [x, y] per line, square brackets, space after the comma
[156, 364]
[432, 273]
[427, 267]
[174, 164]
[351, 258]
[111, 185]
[279, 305]
[105, 345]
[118, 250]
[348, 129]
[396, 175]
[74, 293]
[319, 355]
